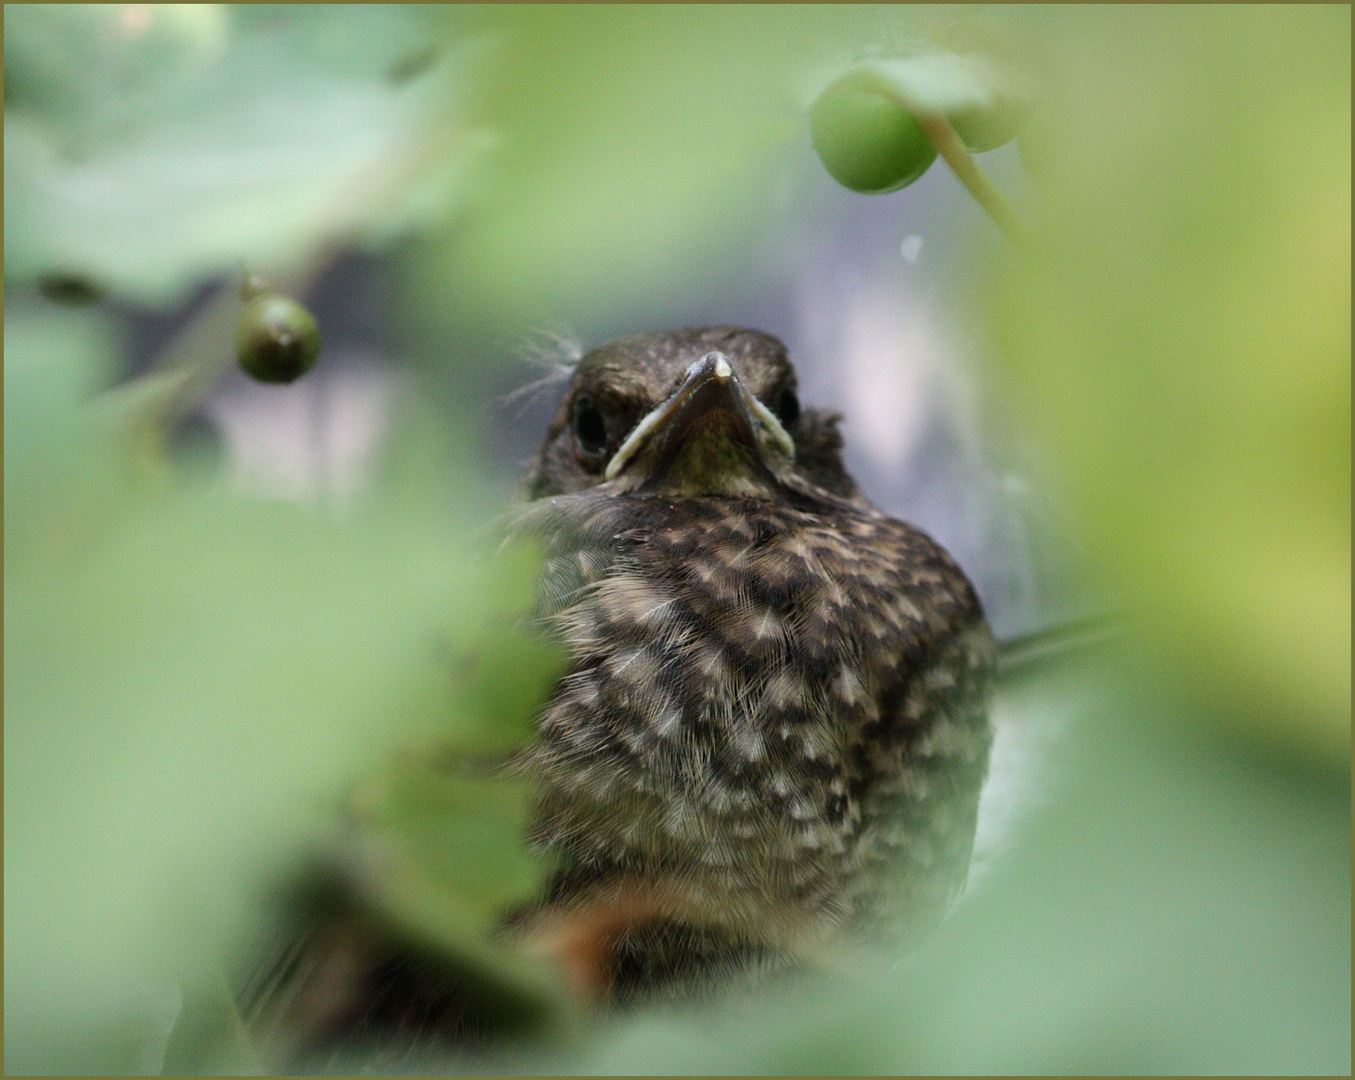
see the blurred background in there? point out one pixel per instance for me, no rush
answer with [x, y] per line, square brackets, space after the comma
[229, 605]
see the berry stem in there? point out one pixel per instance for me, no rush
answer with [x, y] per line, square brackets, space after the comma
[938, 129]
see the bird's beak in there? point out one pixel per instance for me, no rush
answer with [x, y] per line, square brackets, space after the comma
[710, 387]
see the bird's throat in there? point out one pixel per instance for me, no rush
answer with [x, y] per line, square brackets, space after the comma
[714, 456]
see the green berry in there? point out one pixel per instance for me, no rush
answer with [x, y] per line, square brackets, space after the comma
[866, 140]
[277, 340]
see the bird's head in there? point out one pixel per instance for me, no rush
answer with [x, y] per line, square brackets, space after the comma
[707, 411]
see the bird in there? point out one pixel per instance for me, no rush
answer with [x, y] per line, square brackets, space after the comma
[771, 731]
[774, 728]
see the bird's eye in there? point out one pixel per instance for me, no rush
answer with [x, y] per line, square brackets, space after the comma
[787, 407]
[590, 430]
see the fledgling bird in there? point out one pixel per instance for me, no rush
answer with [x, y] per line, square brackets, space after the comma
[774, 728]
[771, 733]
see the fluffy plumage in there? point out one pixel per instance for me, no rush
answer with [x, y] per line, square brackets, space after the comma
[774, 727]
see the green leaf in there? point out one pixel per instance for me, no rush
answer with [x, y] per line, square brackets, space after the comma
[1180, 341]
[441, 840]
[149, 146]
[442, 829]
[192, 682]
[210, 1037]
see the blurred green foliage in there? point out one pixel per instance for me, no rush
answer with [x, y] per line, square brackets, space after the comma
[193, 679]
[1181, 337]
[639, 144]
[148, 146]
[192, 682]
[197, 683]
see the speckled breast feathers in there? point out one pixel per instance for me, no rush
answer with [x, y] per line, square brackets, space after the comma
[776, 703]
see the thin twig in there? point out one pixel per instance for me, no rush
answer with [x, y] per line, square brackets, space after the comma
[1063, 642]
[942, 135]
